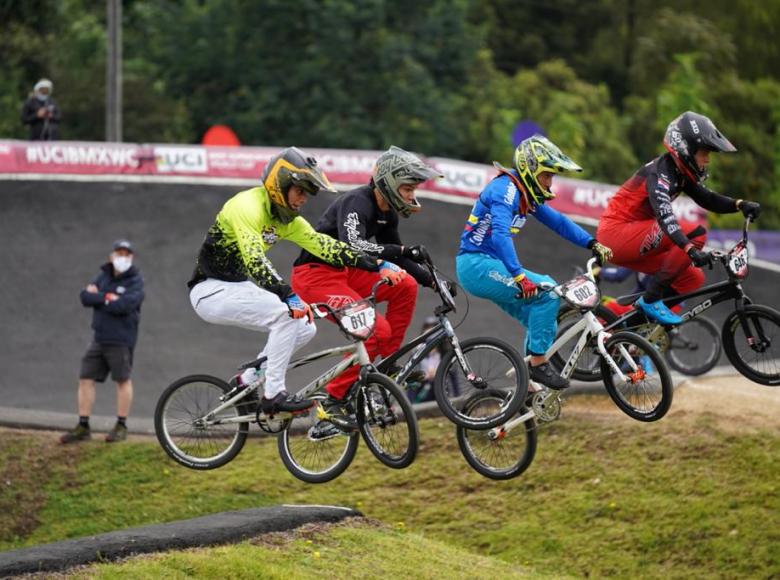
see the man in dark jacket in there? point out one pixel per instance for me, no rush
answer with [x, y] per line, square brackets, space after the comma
[115, 297]
[41, 113]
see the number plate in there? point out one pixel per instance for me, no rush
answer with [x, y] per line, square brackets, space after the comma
[738, 261]
[358, 319]
[581, 292]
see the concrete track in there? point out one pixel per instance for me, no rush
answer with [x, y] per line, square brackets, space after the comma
[56, 234]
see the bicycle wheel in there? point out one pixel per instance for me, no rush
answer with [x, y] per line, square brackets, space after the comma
[495, 365]
[754, 357]
[315, 460]
[646, 394]
[185, 430]
[503, 452]
[588, 366]
[387, 421]
[694, 347]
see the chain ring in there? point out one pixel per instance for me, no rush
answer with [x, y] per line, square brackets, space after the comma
[655, 335]
[546, 406]
[269, 424]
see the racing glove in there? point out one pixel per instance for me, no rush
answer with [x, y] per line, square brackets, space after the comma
[527, 288]
[390, 272]
[601, 252]
[749, 209]
[298, 308]
[416, 253]
[699, 257]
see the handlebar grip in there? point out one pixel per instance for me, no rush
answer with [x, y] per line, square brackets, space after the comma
[324, 313]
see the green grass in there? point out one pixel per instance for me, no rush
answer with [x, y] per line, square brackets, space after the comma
[354, 550]
[605, 496]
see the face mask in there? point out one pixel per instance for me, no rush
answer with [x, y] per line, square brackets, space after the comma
[41, 97]
[122, 263]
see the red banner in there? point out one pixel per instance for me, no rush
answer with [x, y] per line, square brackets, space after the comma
[343, 166]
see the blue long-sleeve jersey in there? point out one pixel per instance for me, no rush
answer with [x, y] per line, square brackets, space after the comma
[496, 218]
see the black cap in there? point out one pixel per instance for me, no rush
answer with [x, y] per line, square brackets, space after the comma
[123, 245]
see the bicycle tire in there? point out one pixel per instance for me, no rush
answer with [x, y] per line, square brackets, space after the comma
[680, 344]
[769, 319]
[588, 367]
[315, 461]
[382, 412]
[178, 410]
[492, 457]
[511, 375]
[656, 397]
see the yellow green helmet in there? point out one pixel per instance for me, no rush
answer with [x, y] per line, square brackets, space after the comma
[533, 157]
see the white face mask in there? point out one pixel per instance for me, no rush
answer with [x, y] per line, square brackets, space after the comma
[122, 263]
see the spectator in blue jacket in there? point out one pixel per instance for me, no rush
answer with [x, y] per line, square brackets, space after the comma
[487, 263]
[115, 297]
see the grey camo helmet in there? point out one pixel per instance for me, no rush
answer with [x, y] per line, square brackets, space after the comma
[396, 167]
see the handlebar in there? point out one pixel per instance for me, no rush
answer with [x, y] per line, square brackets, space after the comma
[323, 309]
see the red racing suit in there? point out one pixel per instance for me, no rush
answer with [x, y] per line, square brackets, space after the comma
[640, 227]
[355, 218]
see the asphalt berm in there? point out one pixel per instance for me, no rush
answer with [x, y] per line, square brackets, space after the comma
[210, 530]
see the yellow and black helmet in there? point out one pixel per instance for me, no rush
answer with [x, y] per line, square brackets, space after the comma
[291, 167]
[535, 156]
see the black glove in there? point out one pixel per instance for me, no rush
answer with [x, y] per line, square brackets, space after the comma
[699, 258]
[749, 209]
[417, 253]
[451, 286]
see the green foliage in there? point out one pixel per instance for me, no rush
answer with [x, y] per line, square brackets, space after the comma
[446, 77]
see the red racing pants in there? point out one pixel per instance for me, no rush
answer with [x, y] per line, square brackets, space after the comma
[643, 247]
[338, 287]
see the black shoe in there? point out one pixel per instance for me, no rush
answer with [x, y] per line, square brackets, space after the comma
[285, 402]
[79, 433]
[338, 413]
[545, 374]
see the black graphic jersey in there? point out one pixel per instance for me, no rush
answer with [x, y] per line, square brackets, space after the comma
[245, 229]
[355, 219]
[649, 193]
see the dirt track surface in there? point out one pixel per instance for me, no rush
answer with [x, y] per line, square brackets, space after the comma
[736, 402]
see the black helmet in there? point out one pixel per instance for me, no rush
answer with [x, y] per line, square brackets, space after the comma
[687, 134]
[396, 167]
[292, 167]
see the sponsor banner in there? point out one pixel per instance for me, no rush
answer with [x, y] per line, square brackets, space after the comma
[763, 245]
[344, 166]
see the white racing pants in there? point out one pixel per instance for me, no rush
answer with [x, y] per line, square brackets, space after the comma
[246, 305]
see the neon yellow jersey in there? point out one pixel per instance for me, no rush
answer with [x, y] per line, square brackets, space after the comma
[245, 229]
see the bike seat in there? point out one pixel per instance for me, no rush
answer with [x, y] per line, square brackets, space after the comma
[254, 363]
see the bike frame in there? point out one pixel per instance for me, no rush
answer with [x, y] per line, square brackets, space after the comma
[357, 355]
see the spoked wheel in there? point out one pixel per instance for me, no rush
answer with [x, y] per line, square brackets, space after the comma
[500, 453]
[315, 459]
[694, 347]
[188, 429]
[754, 347]
[588, 366]
[646, 393]
[387, 421]
[494, 366]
